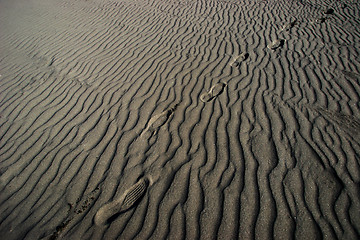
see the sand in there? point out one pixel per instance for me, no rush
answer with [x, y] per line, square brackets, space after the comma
[179, 119]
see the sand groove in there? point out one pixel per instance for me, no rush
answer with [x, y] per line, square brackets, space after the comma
[179, 119]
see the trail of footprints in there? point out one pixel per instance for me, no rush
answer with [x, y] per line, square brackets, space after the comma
[108, 212]
[218, 88]
[278, 43]
[111, 210]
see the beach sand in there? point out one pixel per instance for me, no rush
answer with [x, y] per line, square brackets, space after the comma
[179, 119]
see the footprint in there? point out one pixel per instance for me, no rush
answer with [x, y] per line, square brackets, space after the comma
[289, 25]
[319, 20]
[127, 200]
[236, 61]
[206, 97]
[215, 91]
[276, 44]
[157, 121]
[351, 75]
[329, 11]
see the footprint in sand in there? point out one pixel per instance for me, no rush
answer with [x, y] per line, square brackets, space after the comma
[157, 121]
[278, 43]
[236, 60]
[318, 20]
[324, 18]
[289, 25]
[128, 199]
[351, 75]
[215, 91]
[329, 11]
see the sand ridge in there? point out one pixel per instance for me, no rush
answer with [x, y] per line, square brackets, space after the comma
[179, 119]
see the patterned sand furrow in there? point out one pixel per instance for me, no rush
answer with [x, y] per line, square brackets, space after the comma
[42, 116]
[312, 204]
[131, 93]
[32, 197]
[139, 51]
[179, 119]
[148, 71]
[328, 205]
[35, 160]
[17, 129]
[256, 172]
[264, 151]
[278, 173]
[47, 99]
[64, 132]
[249, 209]
[230, 196]
[162, 229]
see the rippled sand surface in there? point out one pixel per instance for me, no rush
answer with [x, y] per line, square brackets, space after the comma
[179, 119]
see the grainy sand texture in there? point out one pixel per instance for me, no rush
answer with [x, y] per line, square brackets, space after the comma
[179, 119]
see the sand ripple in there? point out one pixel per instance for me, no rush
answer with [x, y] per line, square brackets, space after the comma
[179, 119]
